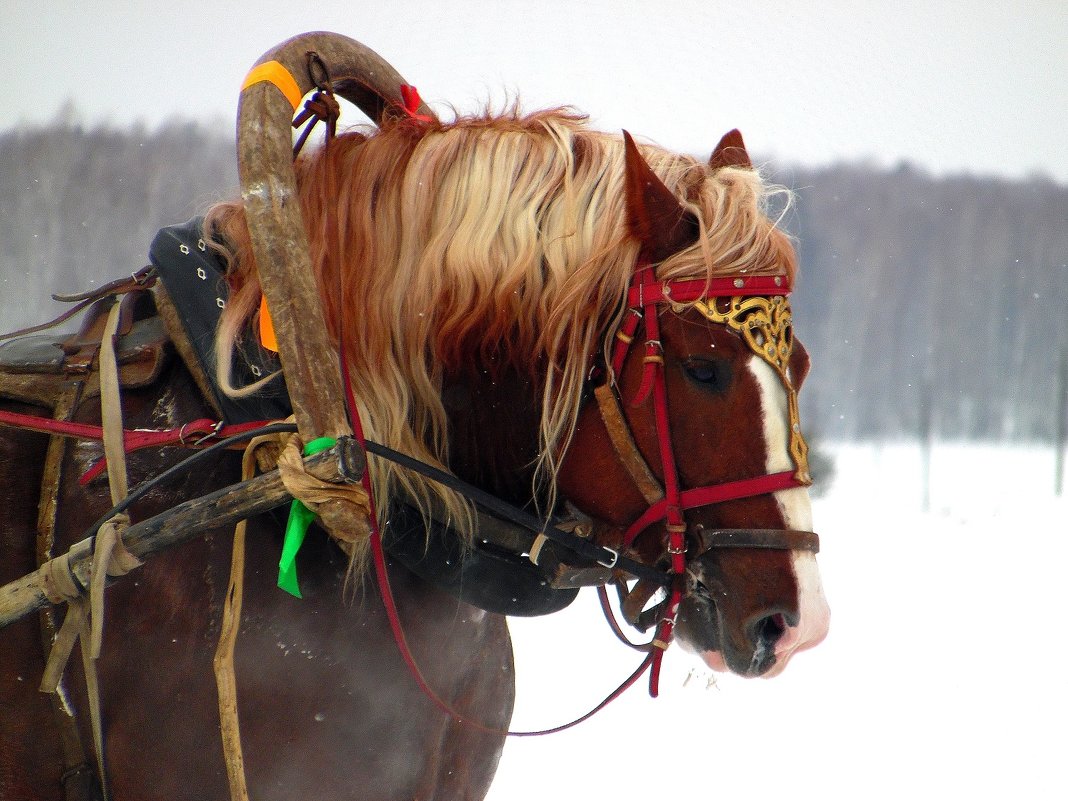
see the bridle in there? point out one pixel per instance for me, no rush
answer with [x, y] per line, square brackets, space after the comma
[757, 310]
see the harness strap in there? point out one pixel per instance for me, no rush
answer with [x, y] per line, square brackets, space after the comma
[654, 384]
[111, 409]
[223, 661]
[78, 777]
[716, 493]
[197, 433]
[626, 449]
[633, 602]
[142, 279]
[705, 540]
[85, 616]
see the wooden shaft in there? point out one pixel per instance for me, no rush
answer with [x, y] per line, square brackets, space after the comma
[272, 207]
[276, 228]
[182, 523]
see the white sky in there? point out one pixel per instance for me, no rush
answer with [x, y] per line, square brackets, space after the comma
[977, 86]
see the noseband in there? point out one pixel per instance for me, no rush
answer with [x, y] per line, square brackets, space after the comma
[759, 311]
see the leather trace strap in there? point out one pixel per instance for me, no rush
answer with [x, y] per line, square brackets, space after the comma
[142, 279]
[194, 434]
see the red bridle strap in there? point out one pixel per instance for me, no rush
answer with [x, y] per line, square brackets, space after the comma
[714, 493]
[385, 593]
[643, 297]
[650, 292]
[646, 293]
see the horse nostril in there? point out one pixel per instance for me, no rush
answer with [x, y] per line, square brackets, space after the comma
[768, 630]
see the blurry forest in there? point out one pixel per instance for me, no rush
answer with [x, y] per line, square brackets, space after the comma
[931, 306]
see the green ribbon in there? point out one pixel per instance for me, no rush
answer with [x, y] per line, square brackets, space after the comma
[300, 517]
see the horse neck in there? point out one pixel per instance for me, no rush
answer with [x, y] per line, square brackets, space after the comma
[493, 422]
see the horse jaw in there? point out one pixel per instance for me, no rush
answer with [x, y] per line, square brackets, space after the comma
[814, 613]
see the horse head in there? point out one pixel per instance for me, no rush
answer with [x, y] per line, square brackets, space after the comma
[730, 373]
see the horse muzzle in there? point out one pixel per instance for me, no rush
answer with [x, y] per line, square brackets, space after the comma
[749, 612]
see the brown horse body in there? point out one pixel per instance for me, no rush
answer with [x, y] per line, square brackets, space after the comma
[325, 704]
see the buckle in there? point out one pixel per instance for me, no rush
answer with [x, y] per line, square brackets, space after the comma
[614, 558]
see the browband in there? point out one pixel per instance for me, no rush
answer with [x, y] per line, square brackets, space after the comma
[642, 294]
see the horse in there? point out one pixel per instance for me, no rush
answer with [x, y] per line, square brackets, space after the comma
[482, 281]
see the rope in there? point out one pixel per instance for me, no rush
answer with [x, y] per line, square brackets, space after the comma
[313, 492]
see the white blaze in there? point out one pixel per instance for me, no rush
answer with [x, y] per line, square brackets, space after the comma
[797, 514]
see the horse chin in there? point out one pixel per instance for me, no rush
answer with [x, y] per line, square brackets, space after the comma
[761, 665]
[767, 659]
[715, 661]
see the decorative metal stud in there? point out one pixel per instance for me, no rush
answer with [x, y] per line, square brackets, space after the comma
[202, 274]
[184, 248]
[220, 303]
[256, 371]
[739, 282]
[201, 246]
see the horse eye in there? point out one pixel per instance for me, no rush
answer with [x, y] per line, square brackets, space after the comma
[709, 373]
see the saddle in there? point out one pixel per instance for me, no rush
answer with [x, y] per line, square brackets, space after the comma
[39, 368]
[171, 309]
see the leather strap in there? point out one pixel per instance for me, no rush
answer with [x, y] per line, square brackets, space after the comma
[623, 443]
[78, 778]
[713, 494]
[142, 279]
[704, 540]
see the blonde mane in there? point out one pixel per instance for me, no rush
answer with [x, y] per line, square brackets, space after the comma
[439, 246]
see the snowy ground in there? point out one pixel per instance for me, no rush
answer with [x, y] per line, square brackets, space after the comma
[942, 678]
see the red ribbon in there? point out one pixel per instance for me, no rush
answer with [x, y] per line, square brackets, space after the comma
[412, 102]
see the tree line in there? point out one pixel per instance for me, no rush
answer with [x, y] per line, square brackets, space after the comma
[928, 304]
[932, 304]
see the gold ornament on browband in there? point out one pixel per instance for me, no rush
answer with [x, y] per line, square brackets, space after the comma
[766, 324]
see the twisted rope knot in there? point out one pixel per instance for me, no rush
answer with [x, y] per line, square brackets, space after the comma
[85, 616]
[110, 558]
[314, 492]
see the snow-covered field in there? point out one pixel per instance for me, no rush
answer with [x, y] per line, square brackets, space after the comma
[943, 676]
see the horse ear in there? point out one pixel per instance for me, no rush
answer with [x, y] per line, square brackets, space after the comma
[655, 216]
[730, 152]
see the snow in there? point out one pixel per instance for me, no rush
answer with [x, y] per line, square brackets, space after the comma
[941, 677]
